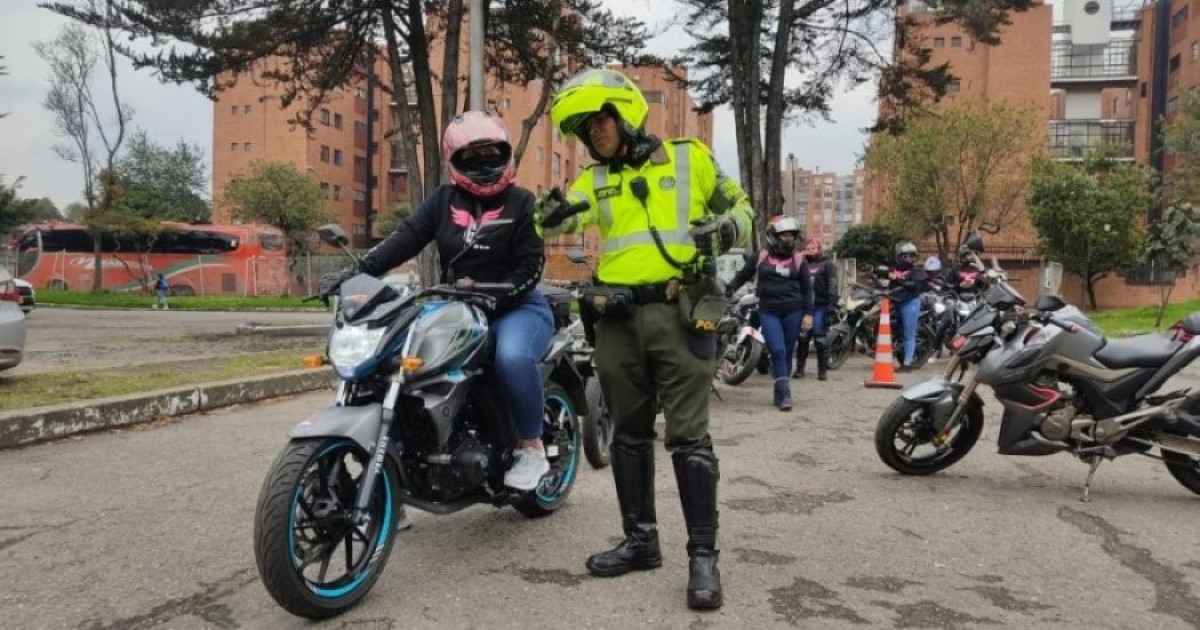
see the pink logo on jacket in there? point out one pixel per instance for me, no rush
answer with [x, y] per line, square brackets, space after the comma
[465, 220]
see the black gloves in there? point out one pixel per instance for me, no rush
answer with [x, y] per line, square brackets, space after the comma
[330, 282]
[715, 237]
[550, 210]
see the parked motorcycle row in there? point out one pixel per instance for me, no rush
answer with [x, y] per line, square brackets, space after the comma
[418, 416]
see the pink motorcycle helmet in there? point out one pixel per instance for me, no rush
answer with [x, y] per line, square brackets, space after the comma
[479, 154]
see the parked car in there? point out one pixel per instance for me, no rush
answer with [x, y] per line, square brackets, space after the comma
[12, 322]
[28, 295]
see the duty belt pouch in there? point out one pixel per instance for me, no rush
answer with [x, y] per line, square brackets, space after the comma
[701, 305]
[610, 302]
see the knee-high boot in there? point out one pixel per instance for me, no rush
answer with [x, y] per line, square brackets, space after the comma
[633, 472]
[822, 357]
[697, 473]
[801, 355]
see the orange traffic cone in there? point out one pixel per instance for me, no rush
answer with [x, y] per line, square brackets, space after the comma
[883, 375]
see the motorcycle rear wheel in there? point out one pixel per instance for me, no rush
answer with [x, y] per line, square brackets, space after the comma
[912, 423]
[1185, 470]
[737, 364]
[302, 527]
[840, 347]
[560, 428]
[597, 429]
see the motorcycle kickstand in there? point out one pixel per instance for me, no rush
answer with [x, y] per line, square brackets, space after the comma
[1093, 464]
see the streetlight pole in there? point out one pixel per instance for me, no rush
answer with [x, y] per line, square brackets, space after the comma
[475, 99]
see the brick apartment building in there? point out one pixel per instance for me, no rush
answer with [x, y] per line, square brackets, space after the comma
[826, 204]
[1090, 77]
[249, 125]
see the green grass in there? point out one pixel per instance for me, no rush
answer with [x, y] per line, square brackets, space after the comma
[1126, 321]
[35, 390]
[197, 303]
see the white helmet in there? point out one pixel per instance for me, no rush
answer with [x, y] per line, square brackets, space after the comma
[779, 225]
[933, 264]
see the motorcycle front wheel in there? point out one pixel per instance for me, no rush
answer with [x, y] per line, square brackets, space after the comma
[1185, 469]
[840, 346]
[906, 439]
[314, 560]
[597, 429]
[739, 362]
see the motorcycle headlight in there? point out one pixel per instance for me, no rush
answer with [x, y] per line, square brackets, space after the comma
[349, 346]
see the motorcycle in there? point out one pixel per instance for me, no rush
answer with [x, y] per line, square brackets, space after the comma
[741, 344]
[856, 325]
[1063, 386]
[418, 419]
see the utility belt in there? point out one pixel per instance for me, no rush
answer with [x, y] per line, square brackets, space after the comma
[611, 300]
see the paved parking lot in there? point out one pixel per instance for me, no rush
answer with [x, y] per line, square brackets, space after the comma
[152, 528]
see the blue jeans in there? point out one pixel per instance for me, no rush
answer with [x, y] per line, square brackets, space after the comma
[522, 338]
[780, 330]
[910, 316]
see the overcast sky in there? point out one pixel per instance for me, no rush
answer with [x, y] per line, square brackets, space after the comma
[170, 112]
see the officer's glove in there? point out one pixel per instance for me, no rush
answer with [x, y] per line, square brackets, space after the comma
[329, 283]
[551, 209]
[714, 236]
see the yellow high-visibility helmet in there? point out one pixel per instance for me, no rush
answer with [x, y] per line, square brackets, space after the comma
[593, 91]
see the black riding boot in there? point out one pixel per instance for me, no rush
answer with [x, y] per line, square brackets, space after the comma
[697, 473]
[822, 357]
[633, 471]
[801, 356]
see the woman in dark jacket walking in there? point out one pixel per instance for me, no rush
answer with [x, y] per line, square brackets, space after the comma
[784, 296]
[822, 277]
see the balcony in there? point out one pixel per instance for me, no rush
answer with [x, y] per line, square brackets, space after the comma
[1075, 139]
[1115, 63]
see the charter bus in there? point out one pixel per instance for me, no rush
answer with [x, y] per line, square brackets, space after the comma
[202, 259]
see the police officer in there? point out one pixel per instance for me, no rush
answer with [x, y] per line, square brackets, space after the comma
[647, 196]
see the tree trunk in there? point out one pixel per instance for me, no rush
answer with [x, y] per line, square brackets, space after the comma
[773, 143]
[418, 46]
[547, 85]
[1164, 292]
[454, 17]
[1089, 280]
[745, 21]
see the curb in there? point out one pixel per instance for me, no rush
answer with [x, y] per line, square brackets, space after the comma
[284, 331]
[88, 307]
[28, 426]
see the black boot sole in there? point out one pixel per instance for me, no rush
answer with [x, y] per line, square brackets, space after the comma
[706, 603]
[645, 565]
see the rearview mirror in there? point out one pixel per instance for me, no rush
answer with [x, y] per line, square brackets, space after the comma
[974, 242]
[577, 256]
[333, 234]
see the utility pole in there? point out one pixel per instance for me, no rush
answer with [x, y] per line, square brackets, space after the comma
[370, 141]
[475, 100]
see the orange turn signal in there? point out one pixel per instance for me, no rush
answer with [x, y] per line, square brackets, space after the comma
[313, 360]
[411, 364]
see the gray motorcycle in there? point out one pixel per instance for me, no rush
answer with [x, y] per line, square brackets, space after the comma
[1064, 388]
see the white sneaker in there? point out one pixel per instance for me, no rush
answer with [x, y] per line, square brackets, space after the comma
[528, 469]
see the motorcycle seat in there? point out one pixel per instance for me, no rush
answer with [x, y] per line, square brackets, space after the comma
[1143, 351]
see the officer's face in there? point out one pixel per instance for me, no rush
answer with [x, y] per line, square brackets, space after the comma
[603, 135]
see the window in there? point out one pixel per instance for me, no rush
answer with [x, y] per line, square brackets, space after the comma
[337, 192]
[506, 103]
[541, 155]
[337, 121]
[956, 42]
[654, 96]
[337, 157]
[245, 109]
[233, 146]
[1172, 104]
[360, 195]
[360, 127]
[324, 153]
[360, 93]
[491, 106]
[953, 87]
[1173, 65]
[324, 116]
[1143, 89]
[246, 147]
[556, 165]
[1179, 18]
[939, 42]
[325, 189]
[233, 109]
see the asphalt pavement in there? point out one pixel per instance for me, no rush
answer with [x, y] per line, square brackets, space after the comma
[151, 528]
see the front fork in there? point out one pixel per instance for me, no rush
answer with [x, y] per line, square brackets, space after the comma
[375, 465]
[960, 408]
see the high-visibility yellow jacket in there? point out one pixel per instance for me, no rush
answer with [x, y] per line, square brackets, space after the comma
[684, 184]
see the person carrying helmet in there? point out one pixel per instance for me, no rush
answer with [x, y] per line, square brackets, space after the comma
[822, 277]
[907, 284]
[479, 159]
[661, 207]
[784, 296]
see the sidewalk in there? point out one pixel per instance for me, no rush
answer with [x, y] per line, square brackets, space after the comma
[28, 426]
